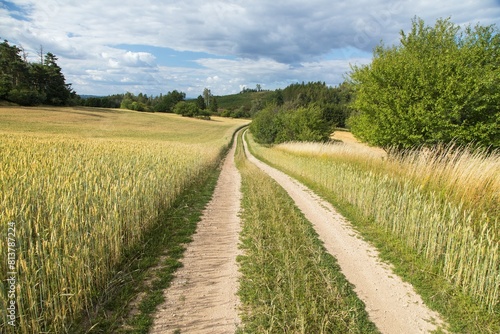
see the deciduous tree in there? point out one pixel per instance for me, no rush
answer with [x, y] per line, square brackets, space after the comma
[206, 95]
[440, 84]
[200, 102]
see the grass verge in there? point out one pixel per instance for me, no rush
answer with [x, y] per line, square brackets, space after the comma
[289, 283]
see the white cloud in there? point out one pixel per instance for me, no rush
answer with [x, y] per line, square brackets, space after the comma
[272, 43]
[132, 59]
[213, 80]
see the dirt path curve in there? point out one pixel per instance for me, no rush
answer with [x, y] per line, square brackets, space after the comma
[392, 304]
[202, 297]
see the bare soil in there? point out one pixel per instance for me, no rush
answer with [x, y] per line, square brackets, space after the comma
[392, 304]
[202, 297]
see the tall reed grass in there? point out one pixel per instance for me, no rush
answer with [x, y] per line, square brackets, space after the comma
[442, 203]
[77, 205]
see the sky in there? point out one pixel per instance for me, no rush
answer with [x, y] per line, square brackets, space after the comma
[155, 46]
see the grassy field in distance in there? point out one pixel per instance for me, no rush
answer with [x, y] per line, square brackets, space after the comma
[113, 123]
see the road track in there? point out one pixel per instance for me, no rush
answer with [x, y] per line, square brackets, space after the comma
[393, 305]
[202, 297]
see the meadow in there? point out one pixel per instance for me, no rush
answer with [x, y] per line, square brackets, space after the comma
[433, 213]
[82, 186]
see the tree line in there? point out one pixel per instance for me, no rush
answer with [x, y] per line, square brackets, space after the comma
[302, 112]
[440, 85]
[172, 102]
[31, 83]
[139, 102]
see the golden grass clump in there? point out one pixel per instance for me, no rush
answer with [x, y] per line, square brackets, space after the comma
[465, 175]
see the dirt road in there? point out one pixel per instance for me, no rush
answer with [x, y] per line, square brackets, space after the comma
[202, 297]
[391, 303]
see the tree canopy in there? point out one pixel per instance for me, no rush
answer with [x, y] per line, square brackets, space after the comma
[441, 84]
[333, 101]
[143, 102]
[28, 83]
[302, 112]
[190, 109]
[275, 124]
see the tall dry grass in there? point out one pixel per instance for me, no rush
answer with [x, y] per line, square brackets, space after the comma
[77, 205]
[442, 203]
[461, 174]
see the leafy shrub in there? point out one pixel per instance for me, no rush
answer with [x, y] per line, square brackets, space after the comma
[277, 125]
[265, 125]
[189, 109]
[439, 85]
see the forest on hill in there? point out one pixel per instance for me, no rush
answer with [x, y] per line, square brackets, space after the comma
[30, 83]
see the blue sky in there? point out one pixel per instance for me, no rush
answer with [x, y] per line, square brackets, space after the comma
[110, 46]
[169, 57]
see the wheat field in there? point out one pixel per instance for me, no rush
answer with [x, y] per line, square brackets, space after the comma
[80, 187]
[442, 203]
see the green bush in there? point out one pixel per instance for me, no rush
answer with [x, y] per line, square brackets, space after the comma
[278, 124]
[265, 125]
[25, 97]
[189, 109]
[440, 85]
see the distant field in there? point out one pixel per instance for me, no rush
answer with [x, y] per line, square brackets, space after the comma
[81, 186]
[113, 123]
[351, 143]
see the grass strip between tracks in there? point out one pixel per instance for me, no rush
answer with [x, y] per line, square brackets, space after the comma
[289, 283]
